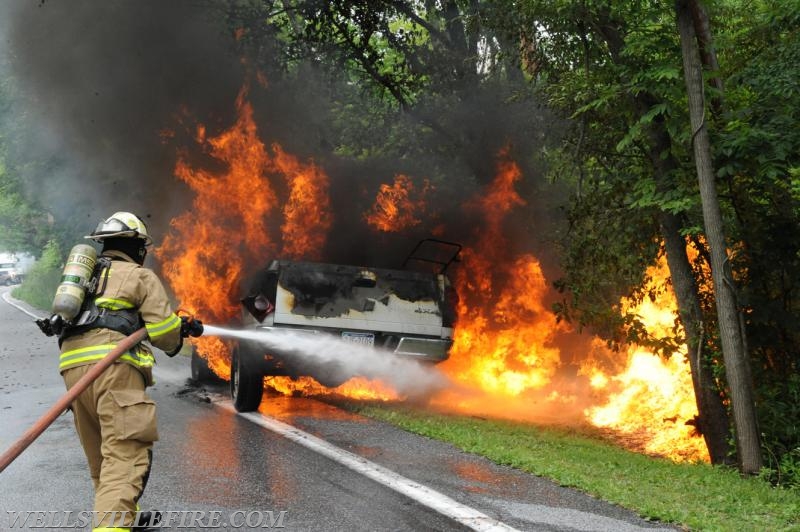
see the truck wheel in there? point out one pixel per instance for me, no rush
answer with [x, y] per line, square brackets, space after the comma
[247, 384]
[199, 366]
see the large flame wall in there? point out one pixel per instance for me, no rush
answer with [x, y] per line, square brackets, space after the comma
[507, 358]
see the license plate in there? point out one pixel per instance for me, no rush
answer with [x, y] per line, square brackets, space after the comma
[359, 338]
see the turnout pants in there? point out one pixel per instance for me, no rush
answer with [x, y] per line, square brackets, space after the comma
[116, 424]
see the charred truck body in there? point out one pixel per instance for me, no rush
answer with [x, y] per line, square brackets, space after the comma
[408, 313]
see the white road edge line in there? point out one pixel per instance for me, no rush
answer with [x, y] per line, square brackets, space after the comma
[422, 494]
[19, 307]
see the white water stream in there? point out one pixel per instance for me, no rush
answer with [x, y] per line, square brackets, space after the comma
[407, 376]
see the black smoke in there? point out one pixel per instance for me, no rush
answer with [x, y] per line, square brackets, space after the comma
[116, 88]
[104, 81]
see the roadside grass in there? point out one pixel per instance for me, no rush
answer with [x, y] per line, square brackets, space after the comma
[692, 495]
[40, 283]
[38, 288]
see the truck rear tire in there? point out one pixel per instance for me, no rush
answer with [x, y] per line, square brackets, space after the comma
[247, 383]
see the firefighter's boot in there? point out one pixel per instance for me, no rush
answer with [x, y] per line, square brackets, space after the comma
[146, 521]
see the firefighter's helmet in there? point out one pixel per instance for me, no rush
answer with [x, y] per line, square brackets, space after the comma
[121, 224]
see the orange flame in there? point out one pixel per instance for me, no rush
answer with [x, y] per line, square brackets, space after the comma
[505, 345]
[509, 347]
[396, 208]
[230, 223]
[308, 201]
[652, 400]
[355, 388]
[504, 333]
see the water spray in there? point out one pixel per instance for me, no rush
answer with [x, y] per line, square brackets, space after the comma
[407, 376]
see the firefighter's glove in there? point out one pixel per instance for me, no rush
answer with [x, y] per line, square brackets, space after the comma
[191, 327]
[52, 326]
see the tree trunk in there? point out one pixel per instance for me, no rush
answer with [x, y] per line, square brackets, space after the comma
[712, 421]
[708, 54]
[712, 418]
[731, 335]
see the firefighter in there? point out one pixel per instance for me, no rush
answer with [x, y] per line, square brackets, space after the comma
[114, 417]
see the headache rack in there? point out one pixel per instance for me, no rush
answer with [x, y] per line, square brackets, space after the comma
[433, 252]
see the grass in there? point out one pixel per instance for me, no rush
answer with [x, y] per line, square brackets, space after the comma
[38, 288]
[695, 496]
[40, 283]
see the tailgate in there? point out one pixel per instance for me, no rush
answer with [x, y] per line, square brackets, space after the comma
[359, 299]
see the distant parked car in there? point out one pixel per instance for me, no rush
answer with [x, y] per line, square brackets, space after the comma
[10, 273]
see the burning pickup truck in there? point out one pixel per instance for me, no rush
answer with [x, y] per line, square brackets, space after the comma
[406, 313]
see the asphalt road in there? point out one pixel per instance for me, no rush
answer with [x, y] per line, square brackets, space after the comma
[232, 468]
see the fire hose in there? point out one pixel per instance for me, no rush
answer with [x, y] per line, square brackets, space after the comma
[66, 400]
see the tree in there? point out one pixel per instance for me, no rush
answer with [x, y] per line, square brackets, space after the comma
[757, 154]
[22, 226]
[408, 79]
[731, 334]
[611, 69]
[400, 74]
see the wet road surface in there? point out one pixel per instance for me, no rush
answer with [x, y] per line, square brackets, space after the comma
[209, 459]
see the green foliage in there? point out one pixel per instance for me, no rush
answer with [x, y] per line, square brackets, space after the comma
[614, 70]
[758, 152]
[22, 227]
[396, 49]
[782, 470]
[39, 285]
[615, 270]
[779, 419]
[23, 224]
[420, 83]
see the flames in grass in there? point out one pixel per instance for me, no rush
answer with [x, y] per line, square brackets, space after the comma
[652, 400]
[511, 356]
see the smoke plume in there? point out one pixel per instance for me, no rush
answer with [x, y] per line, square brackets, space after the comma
[116, 89]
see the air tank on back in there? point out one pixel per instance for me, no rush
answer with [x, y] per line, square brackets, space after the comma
[77, 273]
